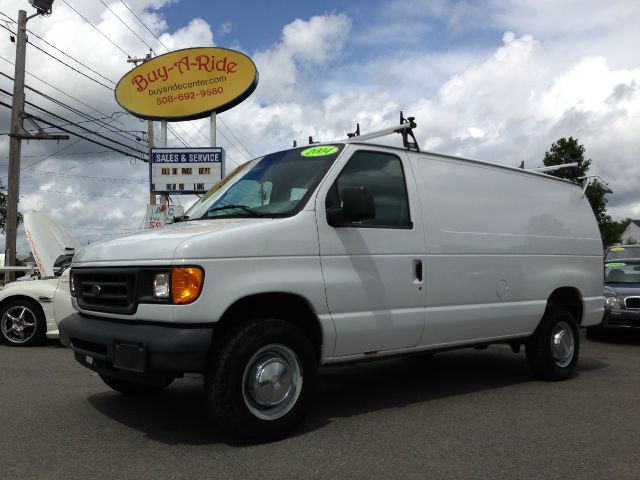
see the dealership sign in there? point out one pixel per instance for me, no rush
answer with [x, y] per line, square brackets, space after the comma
[186, 170]
[187, 84]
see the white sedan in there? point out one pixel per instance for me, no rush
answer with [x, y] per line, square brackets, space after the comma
[30, 307]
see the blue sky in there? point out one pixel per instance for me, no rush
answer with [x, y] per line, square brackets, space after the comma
[498, 80]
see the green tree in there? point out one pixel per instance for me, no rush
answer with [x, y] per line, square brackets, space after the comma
[568, 150]
[3, 209]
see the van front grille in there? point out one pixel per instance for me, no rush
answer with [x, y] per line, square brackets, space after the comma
[110, 290]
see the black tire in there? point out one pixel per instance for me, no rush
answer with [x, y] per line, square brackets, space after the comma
[131, 388]
[239, 406]
[552, 351]
[22, 323]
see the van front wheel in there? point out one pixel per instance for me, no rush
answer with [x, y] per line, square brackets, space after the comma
[552, 351]
[260, 384]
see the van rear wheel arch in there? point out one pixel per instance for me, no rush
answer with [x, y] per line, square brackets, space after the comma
[568, 298]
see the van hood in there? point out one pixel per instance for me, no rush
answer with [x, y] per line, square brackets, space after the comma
[47, 240]
[158, 244]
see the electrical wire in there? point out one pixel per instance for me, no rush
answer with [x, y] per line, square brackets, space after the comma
[71, 67]
[172, 130]
[95, 152]
[251, 155]
[145, 26]
[57, 89]
[85, 194]
[83, 137]
[71, 57]
[75, 124]
[123, 22]
[96, 28]
[87, 177]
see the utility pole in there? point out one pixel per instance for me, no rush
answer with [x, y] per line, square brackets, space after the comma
[150, 139]
[18, 133]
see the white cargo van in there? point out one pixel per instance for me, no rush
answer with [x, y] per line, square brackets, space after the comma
[335, 253]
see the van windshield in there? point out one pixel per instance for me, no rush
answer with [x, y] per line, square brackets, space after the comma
[276, 185]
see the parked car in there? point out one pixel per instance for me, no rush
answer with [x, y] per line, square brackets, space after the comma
[622, 293]
[30, 306]
[621, 252]
[338, 253]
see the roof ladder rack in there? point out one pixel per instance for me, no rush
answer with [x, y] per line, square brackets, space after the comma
[405, 129]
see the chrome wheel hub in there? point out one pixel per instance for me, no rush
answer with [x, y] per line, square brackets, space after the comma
[272, 381]
[562, 344]
[18, 324]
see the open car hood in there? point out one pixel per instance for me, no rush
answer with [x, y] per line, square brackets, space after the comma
[47, 240]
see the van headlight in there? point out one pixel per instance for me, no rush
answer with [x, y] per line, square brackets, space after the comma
[612, 302]
[161, 284]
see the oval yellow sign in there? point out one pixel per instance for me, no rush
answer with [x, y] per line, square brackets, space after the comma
[187, 84]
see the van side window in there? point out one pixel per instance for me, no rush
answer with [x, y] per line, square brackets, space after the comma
[382, 174]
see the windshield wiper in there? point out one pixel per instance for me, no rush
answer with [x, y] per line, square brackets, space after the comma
[182, 218]
[244, 208]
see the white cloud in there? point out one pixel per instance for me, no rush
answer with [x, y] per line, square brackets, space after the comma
[196, 34]
[304, 45]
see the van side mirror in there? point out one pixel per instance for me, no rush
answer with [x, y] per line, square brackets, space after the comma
[357, 204]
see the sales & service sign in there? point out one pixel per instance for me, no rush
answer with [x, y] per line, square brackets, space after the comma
[187, 84]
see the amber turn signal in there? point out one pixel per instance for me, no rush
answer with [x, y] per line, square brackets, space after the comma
[186, 284]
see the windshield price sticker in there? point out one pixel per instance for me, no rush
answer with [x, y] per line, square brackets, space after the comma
[615, 264]
[319, 151]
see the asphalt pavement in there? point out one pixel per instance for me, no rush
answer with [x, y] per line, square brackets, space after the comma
[463, 414]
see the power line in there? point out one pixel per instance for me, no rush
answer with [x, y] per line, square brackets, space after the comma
[71, 67]
[61, 61]
[71, 57]
[61, 91]
[95, 152]
[145, 26]
[84, 194]
[85, 138]
[129, 136]
[251, 155]
[73, 123]
[176, 135]
[87, 177]
[123, 22]
[96, 28]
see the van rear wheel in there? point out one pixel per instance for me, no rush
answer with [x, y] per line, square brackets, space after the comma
[552, 351]
[260, 384]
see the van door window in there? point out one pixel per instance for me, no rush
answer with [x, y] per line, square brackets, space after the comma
[383, 176]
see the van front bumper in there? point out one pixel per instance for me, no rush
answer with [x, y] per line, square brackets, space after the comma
[136, 352]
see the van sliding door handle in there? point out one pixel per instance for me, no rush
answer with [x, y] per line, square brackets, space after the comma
[417, 266]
